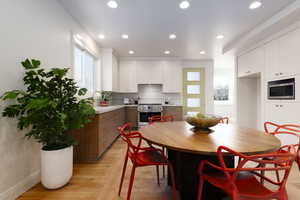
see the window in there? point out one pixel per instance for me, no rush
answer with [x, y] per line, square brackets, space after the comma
[84, 70]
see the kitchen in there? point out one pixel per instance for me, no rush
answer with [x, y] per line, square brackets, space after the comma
[215, 81]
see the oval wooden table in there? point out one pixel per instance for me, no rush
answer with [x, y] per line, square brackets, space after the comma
[187, 148]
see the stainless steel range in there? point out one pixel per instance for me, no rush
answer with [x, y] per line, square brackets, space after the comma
[148, 110]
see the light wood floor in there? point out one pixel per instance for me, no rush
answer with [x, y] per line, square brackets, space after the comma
[100, 182]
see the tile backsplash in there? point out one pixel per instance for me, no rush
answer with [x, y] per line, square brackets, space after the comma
[148, 94]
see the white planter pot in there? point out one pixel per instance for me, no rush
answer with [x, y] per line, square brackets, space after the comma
[56, 167]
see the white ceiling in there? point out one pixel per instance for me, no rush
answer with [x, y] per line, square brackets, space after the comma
[149, 23]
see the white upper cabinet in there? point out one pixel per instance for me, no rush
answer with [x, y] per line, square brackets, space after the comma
[110, 71]
[128, 77]
[172, 77]
[289, 58]
[272, 58]
[149, 72]
[251, 62]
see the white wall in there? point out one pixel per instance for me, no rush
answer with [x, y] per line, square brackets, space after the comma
[29, 29]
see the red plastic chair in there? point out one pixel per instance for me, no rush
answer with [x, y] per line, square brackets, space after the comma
[242, 182]
[159, 118]
[285, 129]
[224, 120]
[141, 157]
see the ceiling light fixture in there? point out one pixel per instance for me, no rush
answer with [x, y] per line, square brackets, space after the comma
[131, 52]
[184, 4]
[125, 36]
[254, 5]
[202, 52]
[167, 52]
[101, 36]
[172, 36]
[112, 4]
[220, 37]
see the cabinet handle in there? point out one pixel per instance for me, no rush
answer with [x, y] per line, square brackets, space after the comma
[277, 106]
[280, 73]
[281, 106]
[276, 74]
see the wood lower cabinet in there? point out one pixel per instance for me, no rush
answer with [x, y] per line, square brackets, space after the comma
[97, 136]
[131, 115]
[176, 111]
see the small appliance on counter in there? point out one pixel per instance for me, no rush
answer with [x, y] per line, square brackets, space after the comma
[126, 101]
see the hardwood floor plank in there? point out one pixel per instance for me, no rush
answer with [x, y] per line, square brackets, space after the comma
[100, 181]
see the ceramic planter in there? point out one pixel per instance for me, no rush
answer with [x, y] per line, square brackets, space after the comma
[56, 167]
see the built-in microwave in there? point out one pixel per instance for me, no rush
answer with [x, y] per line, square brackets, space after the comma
[281, 89]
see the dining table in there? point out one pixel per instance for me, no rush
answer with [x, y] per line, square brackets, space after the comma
[186, 147]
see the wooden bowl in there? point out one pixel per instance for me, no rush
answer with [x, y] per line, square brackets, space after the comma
[203, 123]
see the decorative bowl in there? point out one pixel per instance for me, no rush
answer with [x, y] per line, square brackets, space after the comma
[203, 123]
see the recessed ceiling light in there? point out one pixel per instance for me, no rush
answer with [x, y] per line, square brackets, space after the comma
[202, 52]
[125, 36]
[254, 5]
[131, 52]
[220, 37]
[112, 4]
[184, 4]
[172, 36]
[167, 52]
[101, 36]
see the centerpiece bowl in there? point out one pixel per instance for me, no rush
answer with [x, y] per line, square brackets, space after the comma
[203, 123]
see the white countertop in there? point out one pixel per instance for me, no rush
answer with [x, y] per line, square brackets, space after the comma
[104, 109]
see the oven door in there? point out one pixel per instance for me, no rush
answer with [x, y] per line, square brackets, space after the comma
[282, 91]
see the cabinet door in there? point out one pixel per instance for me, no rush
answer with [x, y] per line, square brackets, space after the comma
[172, 77]
[115, 74]
[127, 75]
[149, 72]
[272, 62]
[251, 63]
[289, 59]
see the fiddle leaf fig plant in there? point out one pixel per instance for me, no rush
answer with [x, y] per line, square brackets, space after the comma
[49, 106]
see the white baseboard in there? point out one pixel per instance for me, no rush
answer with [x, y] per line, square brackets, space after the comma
[21, 187]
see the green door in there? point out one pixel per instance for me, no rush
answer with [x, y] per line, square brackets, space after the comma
[193, 91]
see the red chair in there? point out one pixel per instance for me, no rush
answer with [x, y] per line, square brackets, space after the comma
[224, 120]
[159, 118]
[286, 129]
[141, 157]
[242, 182]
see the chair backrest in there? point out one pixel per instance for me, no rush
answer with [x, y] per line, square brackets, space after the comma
[155, 118]
[280, 162]
[168, 118]
[224, 120]
[159, 118]
[128, 136]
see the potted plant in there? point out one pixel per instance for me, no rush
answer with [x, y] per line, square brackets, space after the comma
[49, 108]
[105, 98]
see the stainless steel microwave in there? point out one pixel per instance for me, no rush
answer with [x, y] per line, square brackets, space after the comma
[281, 89]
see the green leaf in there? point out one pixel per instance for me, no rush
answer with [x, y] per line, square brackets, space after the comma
[60, 72]
[33, 64]
[10, 94]
[82, 91]
[37, 104]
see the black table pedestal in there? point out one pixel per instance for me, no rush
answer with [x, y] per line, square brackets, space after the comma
[186, 176]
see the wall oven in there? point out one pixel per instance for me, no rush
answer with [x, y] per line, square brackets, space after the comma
[281, 89]
[148, 110]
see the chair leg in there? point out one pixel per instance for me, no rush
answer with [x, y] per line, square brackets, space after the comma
[262, 181]
[123, 174]
[277, 174]
[157, 174]
[131, 182]
[173, 180]
[164, 174]
[200, 188]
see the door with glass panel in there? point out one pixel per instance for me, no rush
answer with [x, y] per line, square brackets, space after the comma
[193, 91]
